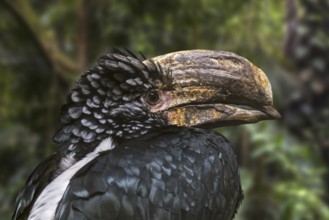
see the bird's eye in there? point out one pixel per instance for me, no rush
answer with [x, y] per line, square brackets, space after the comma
[152, 97]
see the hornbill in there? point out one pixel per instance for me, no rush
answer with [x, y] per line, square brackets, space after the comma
[134, 142]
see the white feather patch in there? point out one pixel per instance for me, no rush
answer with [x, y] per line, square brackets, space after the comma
[67, 162]
[46, 204]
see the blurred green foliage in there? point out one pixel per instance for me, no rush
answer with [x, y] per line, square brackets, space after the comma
[45, 45]
[281, 177]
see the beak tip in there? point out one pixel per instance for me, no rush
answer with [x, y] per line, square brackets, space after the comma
[271, 112]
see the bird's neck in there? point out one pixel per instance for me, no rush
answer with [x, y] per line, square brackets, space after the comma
[69, 157]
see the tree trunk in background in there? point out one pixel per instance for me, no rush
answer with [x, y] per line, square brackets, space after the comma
[82, 45]
[307, 110]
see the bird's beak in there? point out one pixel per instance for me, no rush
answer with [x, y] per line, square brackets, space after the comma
[215, 88]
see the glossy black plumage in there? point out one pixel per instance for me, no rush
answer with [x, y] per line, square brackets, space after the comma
[179, 173]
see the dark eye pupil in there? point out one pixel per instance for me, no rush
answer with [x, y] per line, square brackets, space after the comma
[153, 97]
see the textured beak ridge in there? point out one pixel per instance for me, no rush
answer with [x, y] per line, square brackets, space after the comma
[216, 88]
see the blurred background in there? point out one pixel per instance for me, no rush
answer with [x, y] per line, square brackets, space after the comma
[45, 45]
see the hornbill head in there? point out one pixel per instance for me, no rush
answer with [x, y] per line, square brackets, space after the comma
[125, 95]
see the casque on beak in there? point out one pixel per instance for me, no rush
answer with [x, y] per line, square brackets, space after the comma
[216, 88]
